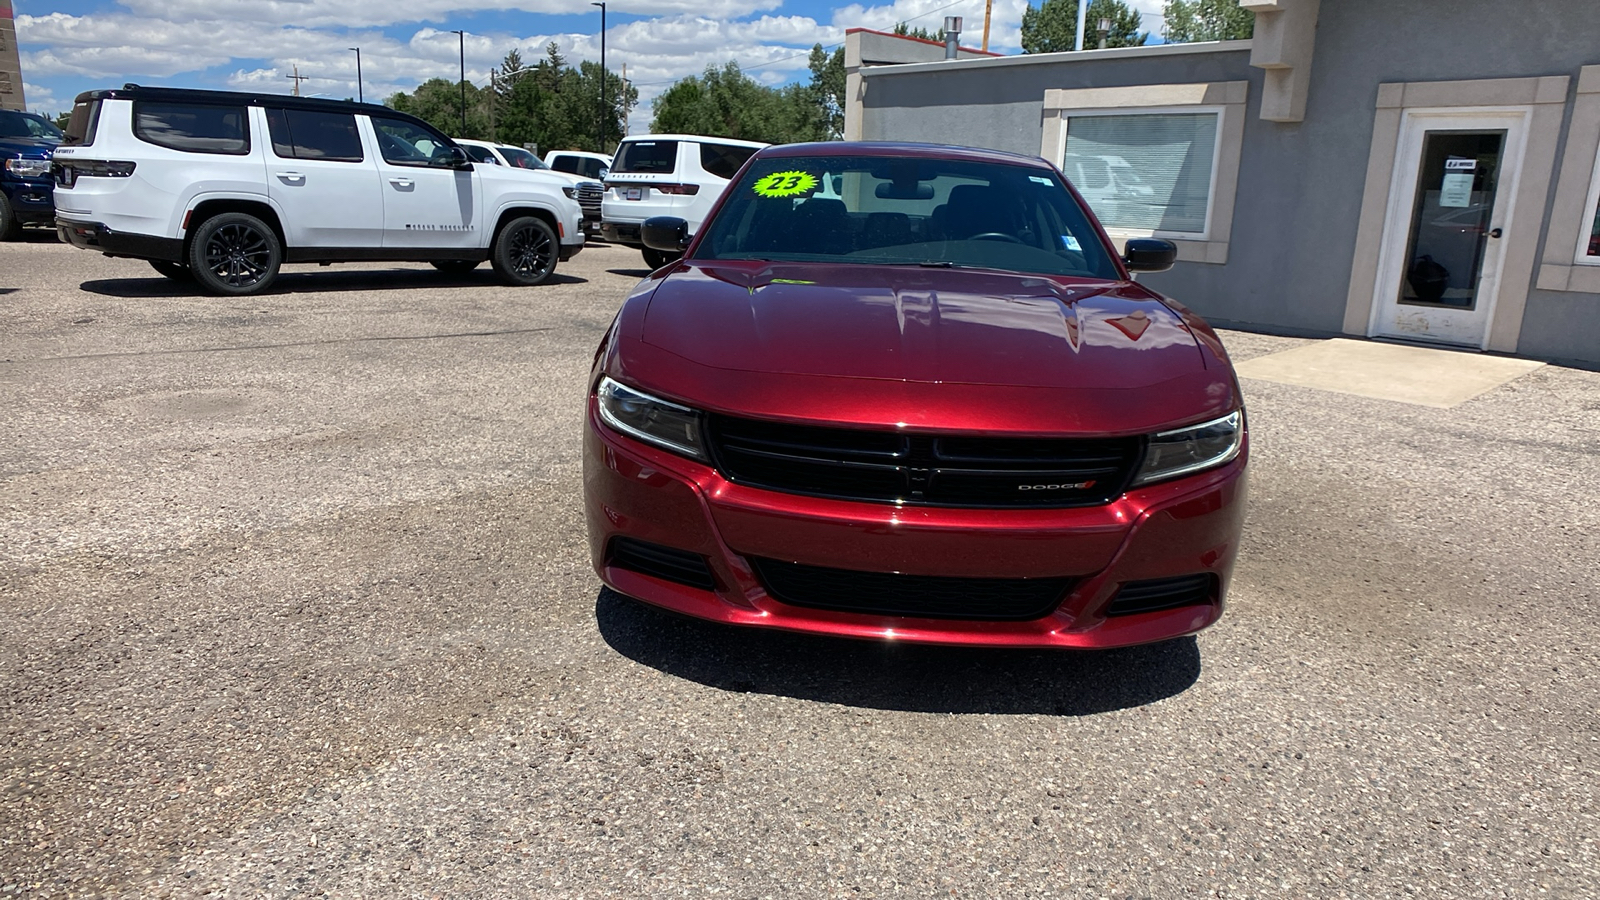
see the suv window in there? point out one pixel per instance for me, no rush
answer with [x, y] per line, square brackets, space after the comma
[191, 127]
[302, 134]
[652, 157]
[84, 123]
[480, 154]
[723, 160]
[566, 164]
[522, 159]
[409, 144]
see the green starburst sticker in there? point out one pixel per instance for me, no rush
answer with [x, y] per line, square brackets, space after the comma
[785, 184]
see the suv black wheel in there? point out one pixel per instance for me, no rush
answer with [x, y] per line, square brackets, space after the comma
[655, 259]
[525, 252]
[234, 253]
[175, 271]
[454, 266]
[10, 228]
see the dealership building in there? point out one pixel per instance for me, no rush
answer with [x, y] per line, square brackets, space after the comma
[10, 62]
[1425, 170]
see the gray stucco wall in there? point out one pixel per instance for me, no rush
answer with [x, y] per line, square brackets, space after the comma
[1300, 184]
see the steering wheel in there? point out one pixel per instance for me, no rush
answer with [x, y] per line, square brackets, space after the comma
[996, 236]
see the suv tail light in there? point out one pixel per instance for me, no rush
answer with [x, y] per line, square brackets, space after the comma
[686, 190]
[69, 172]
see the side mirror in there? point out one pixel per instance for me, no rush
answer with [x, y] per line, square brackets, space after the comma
[668, 234]
[456, 158]
[1149, 255]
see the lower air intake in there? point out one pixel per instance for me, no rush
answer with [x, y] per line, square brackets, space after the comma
[666, 563]
[917, 596]
[1163, 593]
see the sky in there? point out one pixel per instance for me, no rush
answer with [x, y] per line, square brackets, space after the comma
[68, 46]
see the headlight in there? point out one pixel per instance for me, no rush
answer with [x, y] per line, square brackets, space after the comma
[28, 168]
[571, 192]
[1187, 450]
[651, 419]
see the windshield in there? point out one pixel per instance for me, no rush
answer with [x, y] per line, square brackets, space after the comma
[906, 211]
[27, 125]
[521, 158]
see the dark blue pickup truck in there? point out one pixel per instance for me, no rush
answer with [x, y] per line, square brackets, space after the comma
[25, 183]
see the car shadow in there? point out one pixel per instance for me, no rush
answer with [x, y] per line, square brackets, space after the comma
[315, 282]
[630, 273]
[888, 676]
[39, 236]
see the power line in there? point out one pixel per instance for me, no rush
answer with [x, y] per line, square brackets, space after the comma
[774, 62]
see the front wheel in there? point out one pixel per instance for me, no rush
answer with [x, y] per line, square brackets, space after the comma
[655, 259]
[235, 253]
[172, 270]
[525, 252]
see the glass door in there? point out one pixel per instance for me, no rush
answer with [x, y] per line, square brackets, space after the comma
[1444, 238]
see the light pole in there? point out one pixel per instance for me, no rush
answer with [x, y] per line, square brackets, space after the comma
[604, 113]
[463, 36]
[361, 95]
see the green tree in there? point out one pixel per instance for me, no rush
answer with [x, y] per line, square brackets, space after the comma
[827, 88]
[1054, 26]
[438, 102]
[904, 30]
[1207, 20]
[726, 102]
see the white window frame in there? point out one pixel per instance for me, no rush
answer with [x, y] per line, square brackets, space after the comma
[1581, 255]
[1225, 99]
[1221, 112]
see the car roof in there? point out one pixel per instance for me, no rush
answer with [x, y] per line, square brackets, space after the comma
[901, 148]
[701, 138]
[247, 98]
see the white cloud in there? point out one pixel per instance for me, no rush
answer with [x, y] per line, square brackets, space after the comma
[41, 99]
[372, 13]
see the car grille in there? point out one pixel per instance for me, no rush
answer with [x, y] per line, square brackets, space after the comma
[1162, 593]
[919, 596]
[589, 196]
[930, 470]
[667, 563]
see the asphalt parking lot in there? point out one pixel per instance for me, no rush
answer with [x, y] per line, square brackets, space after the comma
[295, 600]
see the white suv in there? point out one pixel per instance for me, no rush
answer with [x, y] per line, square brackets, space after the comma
[678, 175]
[586, 191]
[224, 187]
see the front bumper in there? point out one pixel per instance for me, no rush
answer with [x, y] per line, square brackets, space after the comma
[97, 236]
[32, 200]
[1188, 526]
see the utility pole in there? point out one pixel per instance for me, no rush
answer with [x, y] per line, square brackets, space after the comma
[988, 9]
[297, 78]
[361, 94]
[1083, 16]
[463, 36]
[494, 100]
[604, 113]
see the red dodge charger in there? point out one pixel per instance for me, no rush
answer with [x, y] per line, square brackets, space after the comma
[909, 392]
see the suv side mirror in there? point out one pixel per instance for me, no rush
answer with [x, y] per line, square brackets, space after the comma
[668, 234]
[455, 158]
[1149, 255]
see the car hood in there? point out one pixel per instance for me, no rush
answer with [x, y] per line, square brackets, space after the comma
[34, 148]
[920, 325]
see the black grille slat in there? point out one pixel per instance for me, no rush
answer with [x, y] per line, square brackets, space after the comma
[666, 563]
[911, 596]
[1162, 593]
[929, 470]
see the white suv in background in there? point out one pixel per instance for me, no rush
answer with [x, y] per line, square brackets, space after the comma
[224, 187]
[678, 175]
[579, 162]
[586, 191]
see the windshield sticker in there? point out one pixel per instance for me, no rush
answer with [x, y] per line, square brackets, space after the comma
[1070, 242]
[785, 184]
[789, 281]
[1040, 180]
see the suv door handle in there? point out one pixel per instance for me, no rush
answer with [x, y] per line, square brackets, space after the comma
[292, 177]
[401, 183]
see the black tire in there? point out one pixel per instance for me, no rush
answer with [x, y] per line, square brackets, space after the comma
[235, 254]
[655, 259]
[10, 228]
[175, 271]
[525, 252]
[454, 266]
